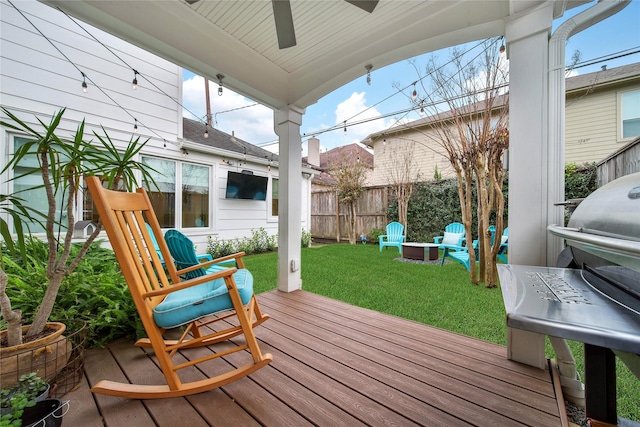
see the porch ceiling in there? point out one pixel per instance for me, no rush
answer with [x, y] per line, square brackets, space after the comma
[335, 40]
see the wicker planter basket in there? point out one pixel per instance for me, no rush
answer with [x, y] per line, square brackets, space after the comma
[45, 356]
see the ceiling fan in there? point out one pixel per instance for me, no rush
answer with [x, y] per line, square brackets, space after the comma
[284, 19]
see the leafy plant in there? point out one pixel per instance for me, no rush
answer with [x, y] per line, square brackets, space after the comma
[103, 302]
[374, 234]
[61, 164]
[20, 395]
[306, 238]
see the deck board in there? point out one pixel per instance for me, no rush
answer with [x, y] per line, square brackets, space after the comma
[334, 365]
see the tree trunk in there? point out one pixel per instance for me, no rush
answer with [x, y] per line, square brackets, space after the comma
[12, 317]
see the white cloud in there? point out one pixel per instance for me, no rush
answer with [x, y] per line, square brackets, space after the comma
[354, 110]
[253, 124]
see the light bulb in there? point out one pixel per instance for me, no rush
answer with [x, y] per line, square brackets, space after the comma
[84, 87]
[414, 95]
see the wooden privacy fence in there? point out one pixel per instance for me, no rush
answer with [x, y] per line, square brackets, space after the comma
[330, 224]
[623, 162]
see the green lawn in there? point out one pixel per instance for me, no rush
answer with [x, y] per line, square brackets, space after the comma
[428, 293]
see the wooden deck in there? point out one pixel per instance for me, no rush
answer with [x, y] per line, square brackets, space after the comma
[334, 365]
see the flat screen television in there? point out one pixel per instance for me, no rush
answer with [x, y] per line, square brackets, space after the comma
[246, 186]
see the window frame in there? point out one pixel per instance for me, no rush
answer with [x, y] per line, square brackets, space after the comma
[621, 119]
[270, 217]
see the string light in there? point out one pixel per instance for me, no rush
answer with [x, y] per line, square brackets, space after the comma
[368, 67]
[220, 77]
[135, 125]
[206, 130]
[84, 82]
[414, 95]
[134, 83]
[345, 126]
[185, 152]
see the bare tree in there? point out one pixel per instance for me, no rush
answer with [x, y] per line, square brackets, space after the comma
[350, 176]
[402, 175]
[473, 133]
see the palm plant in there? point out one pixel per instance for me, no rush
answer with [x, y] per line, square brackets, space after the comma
[62, 163]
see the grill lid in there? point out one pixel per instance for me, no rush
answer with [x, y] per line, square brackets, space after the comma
[607, 223]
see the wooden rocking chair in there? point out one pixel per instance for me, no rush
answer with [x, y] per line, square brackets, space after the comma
[166, 301]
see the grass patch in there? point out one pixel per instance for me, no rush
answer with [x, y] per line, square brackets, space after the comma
[428, 293]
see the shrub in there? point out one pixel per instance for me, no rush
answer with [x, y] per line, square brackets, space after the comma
[95, 292]
[374, 234]
[306, 238]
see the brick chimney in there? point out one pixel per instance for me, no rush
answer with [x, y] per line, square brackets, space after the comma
[313, 149]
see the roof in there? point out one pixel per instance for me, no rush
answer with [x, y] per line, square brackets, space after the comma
[478, 107]
[598, 78]
[194, 131]
[349, 153]
[335, 39]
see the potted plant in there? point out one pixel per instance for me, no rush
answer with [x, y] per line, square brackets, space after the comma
[60, 165]
[29, 388]
[23, 401]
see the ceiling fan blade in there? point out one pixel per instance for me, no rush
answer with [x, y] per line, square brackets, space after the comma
[284, 23]
[366, 5]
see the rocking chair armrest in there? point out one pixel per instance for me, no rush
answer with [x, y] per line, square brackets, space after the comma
[237, 256]
[191, 282]
[206, 264]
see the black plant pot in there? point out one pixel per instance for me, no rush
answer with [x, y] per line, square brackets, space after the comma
[47, 413]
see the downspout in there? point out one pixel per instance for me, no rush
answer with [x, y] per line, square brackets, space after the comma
[571, 384]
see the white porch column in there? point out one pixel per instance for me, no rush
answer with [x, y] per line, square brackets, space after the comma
[287, 127]
[528, 45]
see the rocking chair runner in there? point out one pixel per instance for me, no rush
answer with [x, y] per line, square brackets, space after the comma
[165, 302]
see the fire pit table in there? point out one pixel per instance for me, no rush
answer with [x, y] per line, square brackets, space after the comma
[413, 250]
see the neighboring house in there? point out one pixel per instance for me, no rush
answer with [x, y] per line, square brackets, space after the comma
[346, 154]
[37, 80]
[602, 115]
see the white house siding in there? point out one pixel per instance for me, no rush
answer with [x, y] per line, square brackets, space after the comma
[36, 80]
[592, 126]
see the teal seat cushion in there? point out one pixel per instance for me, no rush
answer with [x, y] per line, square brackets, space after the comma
[190, 304]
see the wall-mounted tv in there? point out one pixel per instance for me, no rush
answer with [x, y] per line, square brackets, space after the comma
[246, 186]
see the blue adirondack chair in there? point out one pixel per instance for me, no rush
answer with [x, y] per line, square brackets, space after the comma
[184, 255]
[394, 237]
[452, 241]
[460, 254]
[504, 245]
[201, 258]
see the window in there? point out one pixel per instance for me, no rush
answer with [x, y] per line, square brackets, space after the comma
[274, 196]
[195, 195]
[630, 102]
[164, 200]
[189, 206]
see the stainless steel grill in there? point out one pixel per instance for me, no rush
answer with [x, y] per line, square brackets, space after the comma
[597, 301]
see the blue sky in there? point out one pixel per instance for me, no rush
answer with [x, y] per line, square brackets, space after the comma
[618, 34]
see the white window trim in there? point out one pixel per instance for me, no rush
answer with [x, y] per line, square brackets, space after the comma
[271, 218]
[619, 135]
